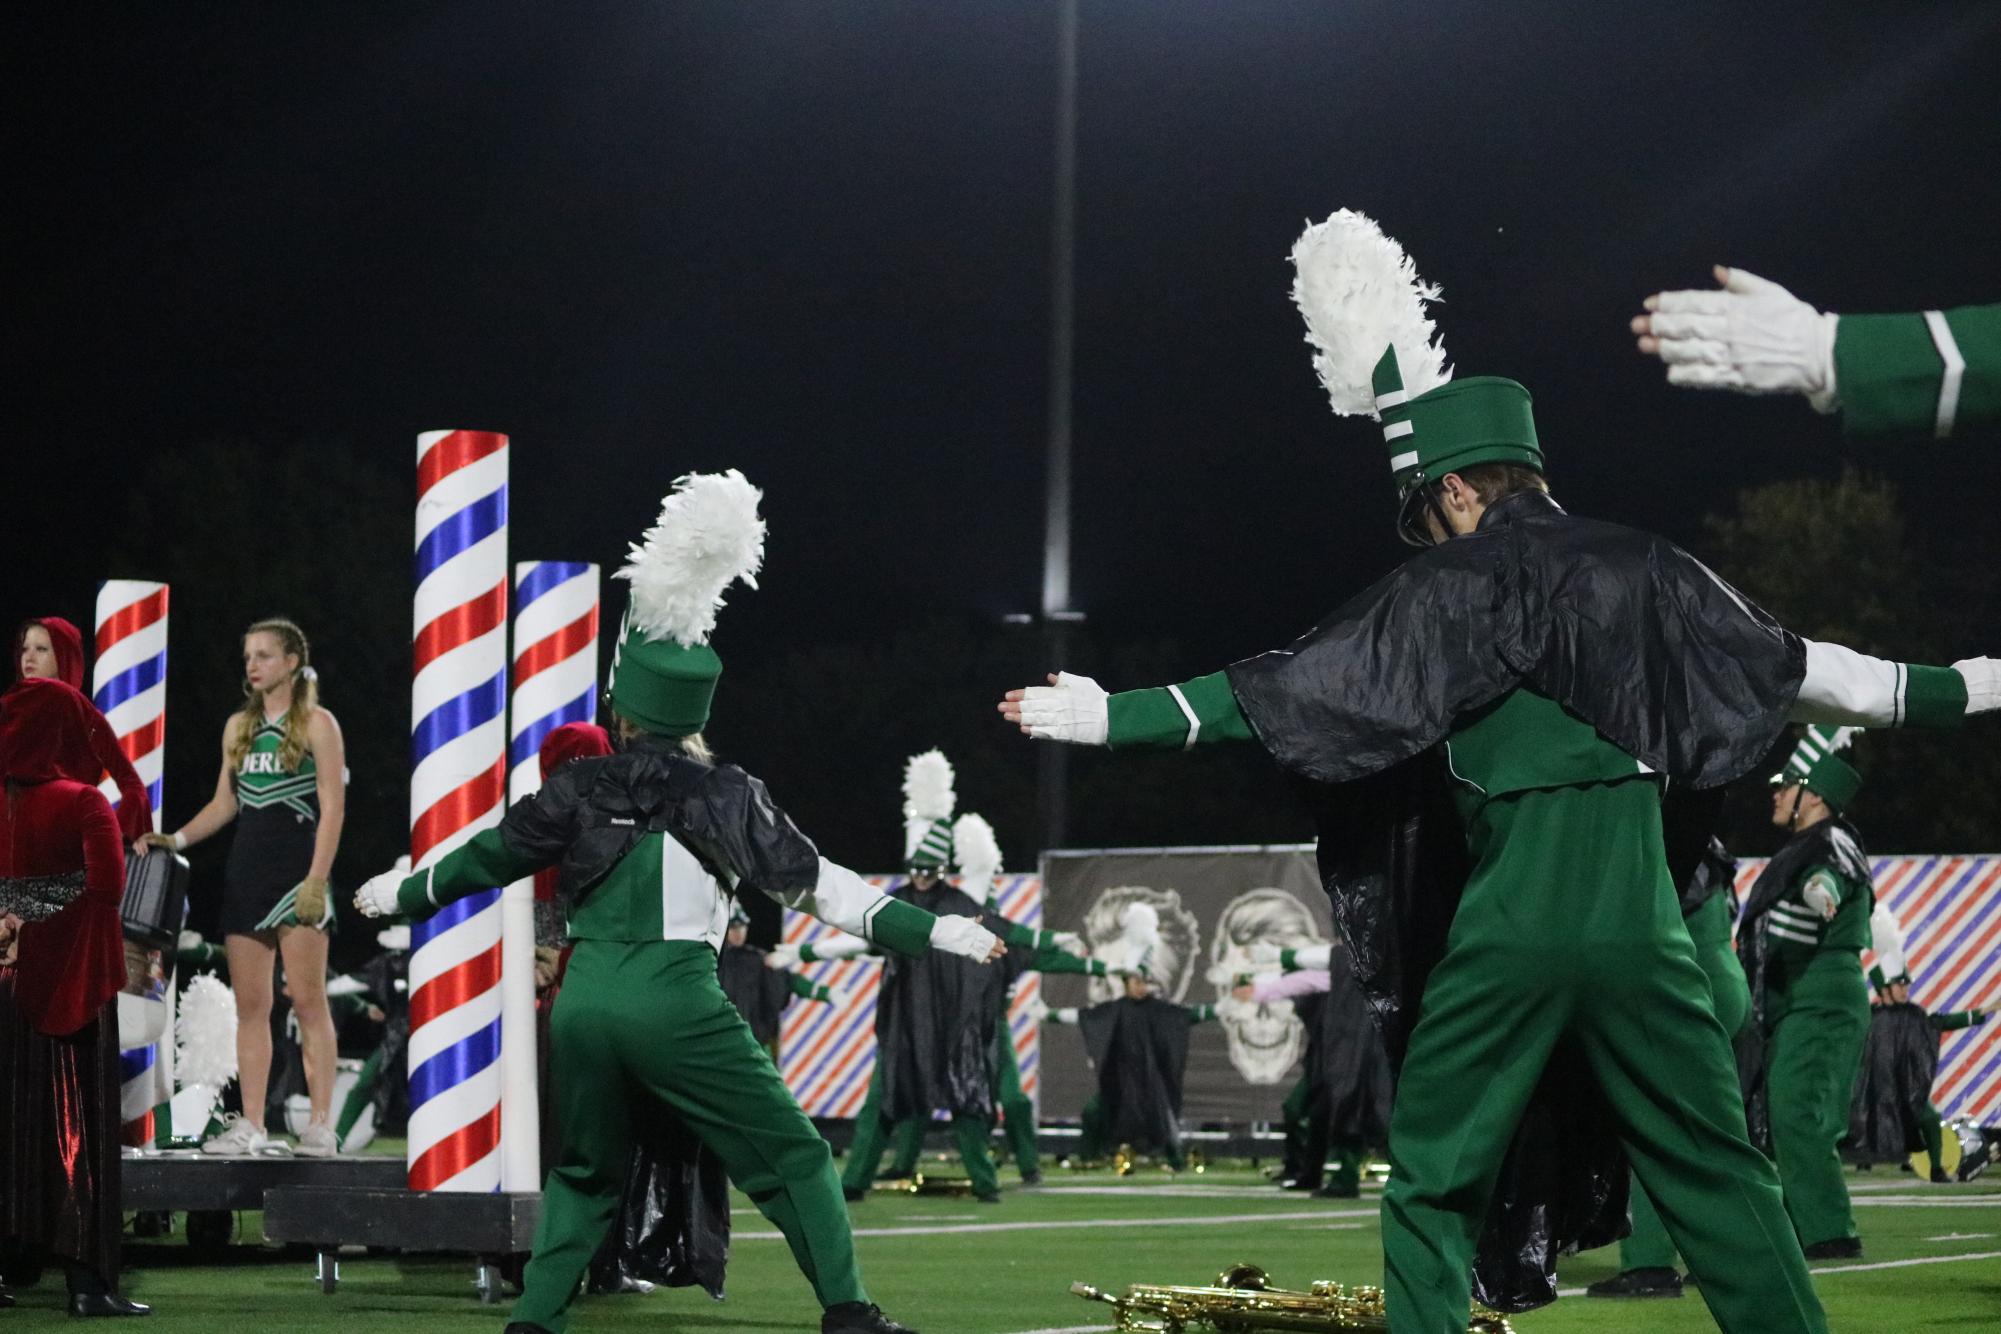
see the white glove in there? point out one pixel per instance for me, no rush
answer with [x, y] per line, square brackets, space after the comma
[188, 940]
[1983, 683]
[1073, 710]
[1753, 336]
[782, 958]
[1264, 954]
[377, 895]
[1038, 1013]
[1071, 943]
[964, 937]
[1818, 897]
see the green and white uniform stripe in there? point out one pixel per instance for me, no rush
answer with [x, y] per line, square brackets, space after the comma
[262, 785]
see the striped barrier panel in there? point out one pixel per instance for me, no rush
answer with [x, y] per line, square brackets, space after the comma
[827, 1052]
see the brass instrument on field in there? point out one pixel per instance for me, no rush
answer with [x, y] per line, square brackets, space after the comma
[1242, 1302]
[919, 1184]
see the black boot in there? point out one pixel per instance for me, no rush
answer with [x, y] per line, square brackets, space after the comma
[859, 1318]
[6, 1296]
[1650, 1282]
[105, 1304]
[1939, 1177]
[1840, 1248]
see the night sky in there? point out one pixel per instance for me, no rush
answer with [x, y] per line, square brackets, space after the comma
[811, 240]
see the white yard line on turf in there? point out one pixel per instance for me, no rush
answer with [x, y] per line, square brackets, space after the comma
[1928, 1201]
[1073, 1224]
[1205, 1192]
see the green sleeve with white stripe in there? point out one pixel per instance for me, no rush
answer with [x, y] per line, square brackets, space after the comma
[1889, 371]
[1953, 1020]
[482, 862]
[1154, 719]
[901, 927]
[1198, 1014]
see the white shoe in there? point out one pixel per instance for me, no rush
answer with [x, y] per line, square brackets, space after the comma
[239, 1140]
[318, 1141]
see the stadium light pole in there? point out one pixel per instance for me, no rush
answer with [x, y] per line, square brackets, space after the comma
[1057, 615]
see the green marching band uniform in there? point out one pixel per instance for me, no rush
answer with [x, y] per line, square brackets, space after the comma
[1709, 911]
[1929, 372]
[653, 843]
[1497, 723]
[1806, 923]
[1139, 1045]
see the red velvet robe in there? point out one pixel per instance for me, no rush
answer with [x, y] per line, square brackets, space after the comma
[135, 804]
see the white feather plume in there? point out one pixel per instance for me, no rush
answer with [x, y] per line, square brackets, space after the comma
[927, 787]
[978, 851]
[708, 536]
[205, 1034]
[1841, 738]
[1360, 293]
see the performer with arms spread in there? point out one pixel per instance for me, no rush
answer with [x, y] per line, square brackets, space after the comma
[1492, 724]
[652, 842]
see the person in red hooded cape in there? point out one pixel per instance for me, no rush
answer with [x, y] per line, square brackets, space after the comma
[49, 646]
[62, 877]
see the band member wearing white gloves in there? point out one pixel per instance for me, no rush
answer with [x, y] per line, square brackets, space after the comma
[1928, 372]
[653, 842]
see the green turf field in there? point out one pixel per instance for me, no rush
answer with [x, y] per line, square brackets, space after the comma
[950, 1266]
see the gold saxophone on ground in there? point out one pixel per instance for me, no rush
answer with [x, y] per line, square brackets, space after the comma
[1242, 1300]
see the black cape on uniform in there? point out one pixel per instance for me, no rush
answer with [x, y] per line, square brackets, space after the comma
[1833, 843]
[1348, 1070]
[759, 993]
[1140, 1051]
[1622, 628]
[1899, 1063]
[934, 1021]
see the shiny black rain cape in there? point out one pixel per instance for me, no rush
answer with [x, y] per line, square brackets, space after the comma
[934, 1021]
[1346, 1066]
[1830, 843]
[1625, 630]
[1899, 1063]
[1140, 1051]
[759, 993]
[673, 1223]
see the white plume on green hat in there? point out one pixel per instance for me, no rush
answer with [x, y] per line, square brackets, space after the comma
[928, 803]
[708, 536]
[1378, 352]
[978, 853]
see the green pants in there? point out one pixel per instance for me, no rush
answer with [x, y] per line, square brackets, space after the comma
[1018, 1125]
[1817, 1018]
[1570, 930]
[1932, 1133]
[1648, 1246]
[1308, 1143]
[865, 1154]
[646, 1025]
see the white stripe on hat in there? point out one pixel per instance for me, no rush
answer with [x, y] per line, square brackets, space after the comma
[1396, 398]
[1401, 461]
[1955, 371]
[1398, 430]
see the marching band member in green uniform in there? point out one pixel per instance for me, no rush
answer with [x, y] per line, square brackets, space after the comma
[1805, 926]
[653, 842]
[1708, 910]
[1928, 372]
[1493, 724]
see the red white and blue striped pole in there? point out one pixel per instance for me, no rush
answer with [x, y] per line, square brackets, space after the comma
[129, 685]
[458, 756]
[555, 682]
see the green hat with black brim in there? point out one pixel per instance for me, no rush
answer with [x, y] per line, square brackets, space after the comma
[709, 535]
[1815, 766]
[1377, 353]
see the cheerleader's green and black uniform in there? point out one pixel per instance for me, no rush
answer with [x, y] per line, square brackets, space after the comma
[277, 818]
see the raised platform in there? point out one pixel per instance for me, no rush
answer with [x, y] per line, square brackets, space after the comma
[491, 1228]
[188, 1180]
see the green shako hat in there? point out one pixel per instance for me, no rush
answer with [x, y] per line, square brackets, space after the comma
[1377, 352]
[1815, 766]
[709, 535]
[928, 802]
